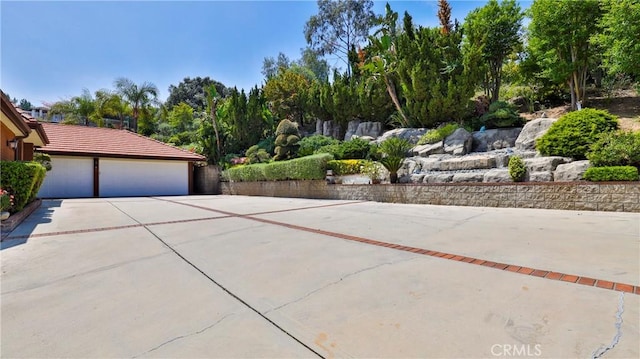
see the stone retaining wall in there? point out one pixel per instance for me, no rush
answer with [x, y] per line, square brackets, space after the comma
[610, 196]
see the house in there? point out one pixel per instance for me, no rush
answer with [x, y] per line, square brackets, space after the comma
[105, 162]
[20, 134]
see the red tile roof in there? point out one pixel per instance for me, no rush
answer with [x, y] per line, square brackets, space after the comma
[107, 142]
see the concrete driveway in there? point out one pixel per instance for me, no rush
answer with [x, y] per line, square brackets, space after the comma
[257, 277]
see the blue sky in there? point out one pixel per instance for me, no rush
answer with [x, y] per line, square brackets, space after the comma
[51, 50]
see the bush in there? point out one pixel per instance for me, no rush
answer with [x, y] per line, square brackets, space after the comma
[304, 168]
[350, 150]
[287, 138]
[613, 173]
[501, 115]
[616, 149]
[268, 144]
[517, 169]
[347, 167]
[355, 149]
[6, 200]
[574, 132]
[256, 154]
[395, 147]
[309, 145]
[23, 179]
[438, 134]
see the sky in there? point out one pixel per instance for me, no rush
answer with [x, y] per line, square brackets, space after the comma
[52, 50]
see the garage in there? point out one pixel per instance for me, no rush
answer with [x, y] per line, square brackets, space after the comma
[102, 162]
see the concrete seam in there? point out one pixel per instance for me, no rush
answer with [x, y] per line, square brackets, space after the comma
[598, 353]
[233, 295]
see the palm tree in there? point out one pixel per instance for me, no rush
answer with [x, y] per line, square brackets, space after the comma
[112, 105]
[85, 106]
[137, 96]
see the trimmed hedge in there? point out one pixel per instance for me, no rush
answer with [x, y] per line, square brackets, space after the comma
[347, 167]
[612, 173]
[574, 132]
[304, 168]
[23, 180]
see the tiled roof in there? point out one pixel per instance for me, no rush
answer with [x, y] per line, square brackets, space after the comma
[107, 142]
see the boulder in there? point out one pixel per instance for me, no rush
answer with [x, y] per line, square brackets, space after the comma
[468, 163]
[543, 176]
[331, 130]
[494, 139]
[428, 149]
[543, 164]
[370, 129]
[352, 126]
[417, 178]
[533, 130]
[438, 178]
[468, 177]
[521, 103]
[458, 143]
[410, 134]
[571, 171]
[497, 175]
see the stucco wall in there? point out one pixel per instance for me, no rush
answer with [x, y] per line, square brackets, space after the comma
[611, 196]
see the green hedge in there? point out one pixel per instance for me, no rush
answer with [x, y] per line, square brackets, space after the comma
[304, 168]
[612, 173]
[621, 148]
[23, 180]
[574, 132]
[347, 167]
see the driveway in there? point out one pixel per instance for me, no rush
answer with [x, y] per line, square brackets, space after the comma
[233, 276]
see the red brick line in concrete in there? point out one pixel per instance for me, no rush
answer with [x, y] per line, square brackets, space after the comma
[591, 282]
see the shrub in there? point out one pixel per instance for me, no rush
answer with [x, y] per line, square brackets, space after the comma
[256, 154]
[355, 149]
[268, 144]
[395, 147]
[309, 145]
[347, 167]
[23, 179]
[335, 150]
[304, 168]
[574, 132]
[612, 173]
[287, 138]
[43, 159]
[438, 134]
[517, 169]
[620, 148]
[501, 115]
[6, 200]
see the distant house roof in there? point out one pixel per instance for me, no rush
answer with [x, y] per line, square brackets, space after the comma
[107, 142]
[22, 124]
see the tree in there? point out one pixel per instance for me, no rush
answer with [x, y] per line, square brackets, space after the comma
[25, 105]
[383, 60]
[437, 81]
[109, 104]
[494, 31]
[444, 15]
[287, 93]
[138, 96]
[271, 66]
[338, 26]
[318, 66]
[193, 92]
[620, 39]
[84, 106]
[560, 35]
[181, 117]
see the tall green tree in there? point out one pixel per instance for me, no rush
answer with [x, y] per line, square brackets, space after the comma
[25, 105]
[495, 31]
[193, 92]
[138, 96]
[84, 106]
[287, 94]
[620, 36]
[339, 25]
[382, 61]
[181, 117]
[271, 66]
[559, 40]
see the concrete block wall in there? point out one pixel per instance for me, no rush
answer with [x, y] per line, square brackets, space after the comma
[584, 196]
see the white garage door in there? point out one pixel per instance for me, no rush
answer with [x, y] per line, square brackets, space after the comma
[124, 177]
[70, 177]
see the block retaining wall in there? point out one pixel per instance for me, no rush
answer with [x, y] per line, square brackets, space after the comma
[584, 196]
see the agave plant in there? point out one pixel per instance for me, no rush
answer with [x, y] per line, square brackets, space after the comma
[394, 150]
